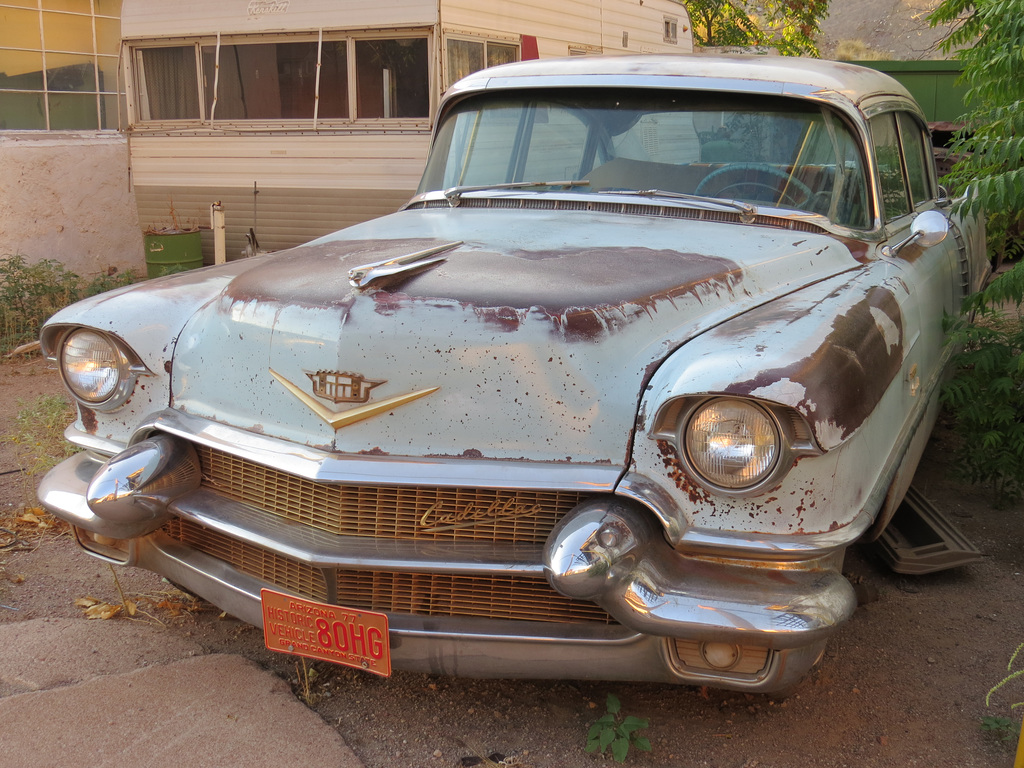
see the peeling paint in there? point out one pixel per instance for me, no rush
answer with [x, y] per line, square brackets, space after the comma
[846, 376]
[88, 417]
[582, 292]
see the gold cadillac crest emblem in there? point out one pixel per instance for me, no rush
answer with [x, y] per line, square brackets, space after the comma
[342, 387]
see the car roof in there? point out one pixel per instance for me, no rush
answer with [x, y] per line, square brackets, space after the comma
[784, 75]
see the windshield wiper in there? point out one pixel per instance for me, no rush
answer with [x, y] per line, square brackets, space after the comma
[454, 194]
[745, 209]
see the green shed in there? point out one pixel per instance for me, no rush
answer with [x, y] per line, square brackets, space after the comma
[933, 83]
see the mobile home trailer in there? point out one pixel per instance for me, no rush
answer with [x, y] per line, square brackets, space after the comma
[304, 116]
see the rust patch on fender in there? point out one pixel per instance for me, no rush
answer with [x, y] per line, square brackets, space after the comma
[88, 416]
[845, 378]
[696, 493]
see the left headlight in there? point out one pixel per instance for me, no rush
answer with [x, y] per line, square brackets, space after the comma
[95, 369]
[732, 444]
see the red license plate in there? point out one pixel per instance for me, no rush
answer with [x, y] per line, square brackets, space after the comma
[347, 636]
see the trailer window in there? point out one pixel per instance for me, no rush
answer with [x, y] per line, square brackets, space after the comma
[273, 81]
[298, 80]
[468, 56]
[391, 78]
[168, 84]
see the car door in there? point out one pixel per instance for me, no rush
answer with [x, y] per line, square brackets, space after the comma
[927, 277]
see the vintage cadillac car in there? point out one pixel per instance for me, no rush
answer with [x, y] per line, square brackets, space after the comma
[657, 339]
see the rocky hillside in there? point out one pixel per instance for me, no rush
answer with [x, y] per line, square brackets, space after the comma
[881, 29]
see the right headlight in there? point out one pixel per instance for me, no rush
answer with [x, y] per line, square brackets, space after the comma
[733, 444]
[95, 369]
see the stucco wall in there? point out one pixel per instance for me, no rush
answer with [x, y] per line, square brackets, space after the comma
[66, 196]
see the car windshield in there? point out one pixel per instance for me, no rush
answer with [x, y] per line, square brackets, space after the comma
[766, 151]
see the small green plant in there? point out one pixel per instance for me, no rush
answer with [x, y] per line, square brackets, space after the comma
[309, 682]
[1005, 727]
[986, 397]
[30, 293]
[1014, 674]
[108, 281]
[619, 733]
[39, 433]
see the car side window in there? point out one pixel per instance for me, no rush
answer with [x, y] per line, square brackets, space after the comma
[886, 143]
[917, 156]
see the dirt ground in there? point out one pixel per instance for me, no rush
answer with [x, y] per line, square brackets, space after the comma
[902, 684]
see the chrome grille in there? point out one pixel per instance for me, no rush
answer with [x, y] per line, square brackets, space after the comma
[491, 597]
[423, 594]
[390, 512]
[283, 572]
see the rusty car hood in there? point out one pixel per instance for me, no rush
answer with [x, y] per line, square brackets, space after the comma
[528, 346]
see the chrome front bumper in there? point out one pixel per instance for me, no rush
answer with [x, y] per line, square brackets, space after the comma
[608, 551]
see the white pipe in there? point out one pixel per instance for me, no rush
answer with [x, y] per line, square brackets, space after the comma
[220, 252]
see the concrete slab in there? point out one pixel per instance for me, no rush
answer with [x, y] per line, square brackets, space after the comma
[214, 711]
[47, 653]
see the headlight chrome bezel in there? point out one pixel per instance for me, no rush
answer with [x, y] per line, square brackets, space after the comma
[793, 439]
[124, 365]
[760, 439]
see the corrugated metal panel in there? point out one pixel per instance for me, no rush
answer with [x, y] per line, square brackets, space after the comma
[284, 217]
[159, 18]
[553, 24]
[353, 161]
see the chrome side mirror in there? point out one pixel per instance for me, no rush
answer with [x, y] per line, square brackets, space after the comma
[929, 228]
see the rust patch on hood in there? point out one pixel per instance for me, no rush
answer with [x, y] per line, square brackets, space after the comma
[317, 275]
[845, 377]
[584, 292]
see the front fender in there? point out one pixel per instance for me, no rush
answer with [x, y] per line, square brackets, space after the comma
[831, 354]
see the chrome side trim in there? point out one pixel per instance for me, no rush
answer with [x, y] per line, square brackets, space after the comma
[326, 467]
[89, 442]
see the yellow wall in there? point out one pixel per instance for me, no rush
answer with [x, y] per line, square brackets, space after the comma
[58, 63]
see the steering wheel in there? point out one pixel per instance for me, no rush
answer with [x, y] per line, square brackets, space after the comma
[756, 182]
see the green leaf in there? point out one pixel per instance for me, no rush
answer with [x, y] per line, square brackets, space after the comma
[642, 743]
[607, 737]
[620, 748]
[613, 705]
[631, 724]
